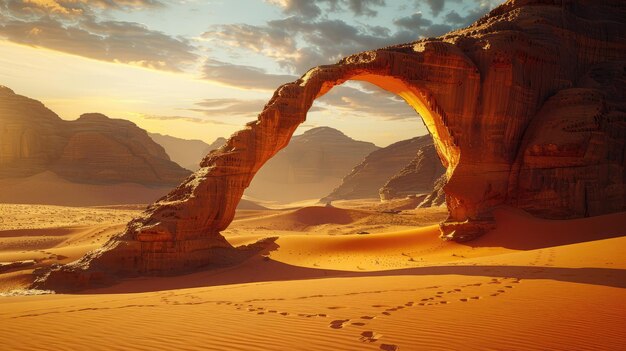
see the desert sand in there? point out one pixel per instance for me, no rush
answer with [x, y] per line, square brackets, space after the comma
[529, 285]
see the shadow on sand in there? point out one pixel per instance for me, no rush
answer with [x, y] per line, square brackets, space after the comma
[259, 269]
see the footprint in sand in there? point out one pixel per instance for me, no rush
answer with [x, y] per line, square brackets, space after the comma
[358, 324]
[339, 323]
[389, 347]
[367, 317]
[369, 336]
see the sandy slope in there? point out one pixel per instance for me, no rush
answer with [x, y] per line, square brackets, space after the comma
[402, 289]
[50, 189]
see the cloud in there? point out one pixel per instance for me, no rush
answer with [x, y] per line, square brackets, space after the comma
[456, 19]
[298, 44]
[229, 107]
[367, 100]
[415, 21]
[125, 4]
[363, 7]
[313, 8]
[72, 26]
[77, 8]
[184, 119]
[242, 76]
[436, 6]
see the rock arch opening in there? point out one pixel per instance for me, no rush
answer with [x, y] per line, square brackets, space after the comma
[357, 140]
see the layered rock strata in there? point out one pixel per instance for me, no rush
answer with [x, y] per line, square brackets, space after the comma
[418, 177]
[365, 180]
[487, 93]
[91, 149]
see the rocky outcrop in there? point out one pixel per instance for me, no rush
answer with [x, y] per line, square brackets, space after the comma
[572, 163]
[91, 149]
[365, 180]
[418, 177]
[30, 135]
[485, 93]
[187, 153]
[310, 166]
[437, 196]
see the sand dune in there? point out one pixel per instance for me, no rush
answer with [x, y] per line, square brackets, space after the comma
[563, 285]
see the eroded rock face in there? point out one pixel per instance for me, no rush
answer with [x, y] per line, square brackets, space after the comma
[91, 149]
[486, 93]
[378, 167]
[418, 177]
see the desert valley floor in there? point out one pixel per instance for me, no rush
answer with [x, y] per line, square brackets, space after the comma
[336, 278]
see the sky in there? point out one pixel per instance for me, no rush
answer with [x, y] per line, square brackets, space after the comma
[201, 69]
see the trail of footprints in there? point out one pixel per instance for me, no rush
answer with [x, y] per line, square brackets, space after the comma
[440, 297]
[544, 257]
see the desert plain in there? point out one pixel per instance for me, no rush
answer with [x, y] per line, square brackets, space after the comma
[343, 277]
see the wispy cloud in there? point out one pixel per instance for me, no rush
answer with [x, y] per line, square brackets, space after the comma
[243, 76]
[73, 26]
[185, 119]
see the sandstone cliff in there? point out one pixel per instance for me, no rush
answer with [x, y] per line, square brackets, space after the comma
[487, 93]
[91, 149]
[370, 175]
[418, 177]
[30, 135]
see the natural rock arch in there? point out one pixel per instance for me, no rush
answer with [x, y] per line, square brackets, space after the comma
[495, 97]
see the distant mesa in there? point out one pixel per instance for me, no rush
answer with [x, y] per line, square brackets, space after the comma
[93, 149]
[525, 107]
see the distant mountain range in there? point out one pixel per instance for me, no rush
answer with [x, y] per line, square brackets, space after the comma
[393, 169]
[91, 149]
[187, 153]
[45, 159]
[311, 165]
[93, 160]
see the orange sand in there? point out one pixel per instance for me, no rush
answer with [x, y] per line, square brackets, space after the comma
[529, 285]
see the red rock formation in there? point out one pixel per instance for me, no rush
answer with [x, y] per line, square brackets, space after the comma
[29, 135]
[437, 196]
[91, 149]
[418, 177]
[481, 92]
[377, 168]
